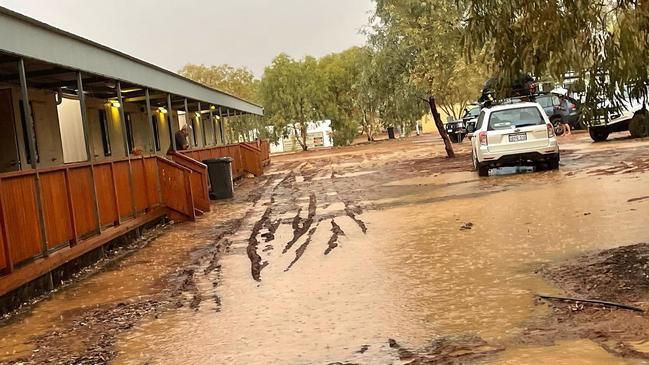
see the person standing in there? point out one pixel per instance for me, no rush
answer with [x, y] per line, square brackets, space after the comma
[182, 143]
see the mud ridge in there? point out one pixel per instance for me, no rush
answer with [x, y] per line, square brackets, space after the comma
[333, 241]
[617, 275]
[351, 212]
[300, 250]
[255, 260]
[300, 230]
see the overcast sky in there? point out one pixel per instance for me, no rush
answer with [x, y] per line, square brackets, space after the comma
[237, 32]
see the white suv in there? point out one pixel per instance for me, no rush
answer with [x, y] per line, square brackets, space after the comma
[514, 135]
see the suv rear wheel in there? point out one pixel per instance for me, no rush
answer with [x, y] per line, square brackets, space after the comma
[639, 126]
[483, 170]
[598, 134]
[553, 164]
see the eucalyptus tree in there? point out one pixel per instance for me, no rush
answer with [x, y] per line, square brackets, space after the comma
[605, 44]
[293, 93]
[426, 35]
[342, 72]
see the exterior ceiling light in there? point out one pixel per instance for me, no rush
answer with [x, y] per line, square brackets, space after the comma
[162, 110]
[115, 104]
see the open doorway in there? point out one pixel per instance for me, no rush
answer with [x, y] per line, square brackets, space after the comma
[9, 158]
[72, 136]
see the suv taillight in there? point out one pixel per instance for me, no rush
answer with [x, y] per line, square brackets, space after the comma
[550, 130]
[483, 139]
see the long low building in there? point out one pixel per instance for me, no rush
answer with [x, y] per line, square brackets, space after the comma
[87, 149]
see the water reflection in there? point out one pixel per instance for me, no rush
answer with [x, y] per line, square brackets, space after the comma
[414, 277]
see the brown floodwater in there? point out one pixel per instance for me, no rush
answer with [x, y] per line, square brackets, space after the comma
[129, 280]
[415, 276]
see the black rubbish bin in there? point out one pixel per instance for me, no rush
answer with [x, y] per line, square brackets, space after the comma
[391, 133]
[220, 172]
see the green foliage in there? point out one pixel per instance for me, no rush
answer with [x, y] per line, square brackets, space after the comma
[342, 72]
[293, 93]
[605, 43]
[239, 82]
[423, 39]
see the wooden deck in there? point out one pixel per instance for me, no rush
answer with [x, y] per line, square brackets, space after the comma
[51, 216]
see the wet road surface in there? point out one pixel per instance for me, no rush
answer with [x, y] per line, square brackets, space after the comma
[333, 253]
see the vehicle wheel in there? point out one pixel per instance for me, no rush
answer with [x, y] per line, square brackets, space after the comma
[598, 134]
[639, 126]
[455, 138]
[553, 164]
[483, 170]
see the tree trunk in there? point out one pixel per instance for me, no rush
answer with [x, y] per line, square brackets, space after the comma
[440, 127]
[300, 136]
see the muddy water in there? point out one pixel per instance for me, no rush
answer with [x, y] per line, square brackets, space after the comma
[130, 280]
[414, 276]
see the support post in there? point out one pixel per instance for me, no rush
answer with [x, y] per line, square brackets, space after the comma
[213, 126]
[149, 120]
[90, 149]
[122, 116]
[29, 122]
[200, 120]
[192, 142]
[170, 119]
[221, 127]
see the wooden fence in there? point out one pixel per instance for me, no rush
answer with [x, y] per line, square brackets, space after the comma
[53, 215]
[233, 151]
[248, 157]
[198, 180]
[44, 211]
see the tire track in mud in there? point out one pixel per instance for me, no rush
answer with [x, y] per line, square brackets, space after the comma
[300, 228]
[333, 241]
[256, 264]
[300, 250]
[352, 211]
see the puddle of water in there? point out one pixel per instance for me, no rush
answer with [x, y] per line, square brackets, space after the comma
[354, 174]
[582, 352]
[136, 276]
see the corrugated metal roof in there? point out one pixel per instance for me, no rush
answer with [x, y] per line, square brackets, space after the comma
[27, 37]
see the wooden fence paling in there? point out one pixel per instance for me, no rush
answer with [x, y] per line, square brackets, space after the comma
[198, 179]
[73, 220]
[174, 183]
[5, 238]
[112, 175]
[251, 157]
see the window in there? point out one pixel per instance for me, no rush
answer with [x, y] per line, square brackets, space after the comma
[193, 127]
[129, 132]
[515, 118]
[544, 101]
[105, 137]
[156, 132]
[480, 121]
[23, 121]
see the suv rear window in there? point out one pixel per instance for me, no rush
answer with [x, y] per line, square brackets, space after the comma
[515, 118]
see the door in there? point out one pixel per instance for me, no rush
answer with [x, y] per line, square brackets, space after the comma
[9, 160]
